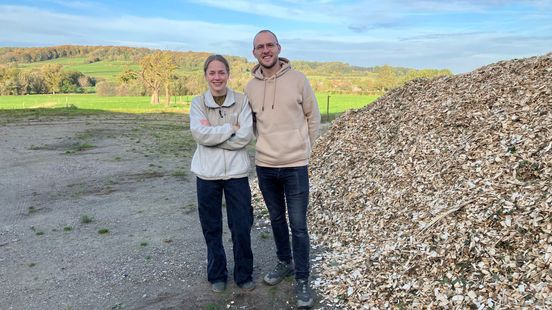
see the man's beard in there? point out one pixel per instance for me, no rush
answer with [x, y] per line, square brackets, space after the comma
[271, 65]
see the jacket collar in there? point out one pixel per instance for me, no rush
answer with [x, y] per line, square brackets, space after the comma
[210, 102]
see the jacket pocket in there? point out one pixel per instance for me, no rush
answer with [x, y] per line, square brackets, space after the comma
[237, 162]
[208, 162]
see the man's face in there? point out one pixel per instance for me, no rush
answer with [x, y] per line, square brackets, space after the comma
[266, 49]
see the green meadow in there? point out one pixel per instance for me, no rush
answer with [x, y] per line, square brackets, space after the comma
[339, 103]
[130, 104]
[330, 105]
[108, 70]
[179, 104]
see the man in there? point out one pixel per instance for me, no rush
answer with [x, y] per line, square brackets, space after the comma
[286, 122]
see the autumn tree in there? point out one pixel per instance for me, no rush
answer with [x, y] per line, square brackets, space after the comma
[25, 80]
[53, 75]
[157, 71]
[178, 86]
[9, 83]
[84, 81]
[128, 75]
[169, 66]
[387, 78]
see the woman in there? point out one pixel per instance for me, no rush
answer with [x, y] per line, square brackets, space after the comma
[221, 123]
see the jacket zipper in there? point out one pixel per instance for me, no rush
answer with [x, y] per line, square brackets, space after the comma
[223, 150]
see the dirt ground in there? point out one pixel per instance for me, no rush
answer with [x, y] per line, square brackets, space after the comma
[99, 212]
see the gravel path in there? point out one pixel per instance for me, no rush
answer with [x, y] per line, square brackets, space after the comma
[130, 176]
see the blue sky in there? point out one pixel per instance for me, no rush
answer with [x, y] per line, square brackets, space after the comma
[460, 35]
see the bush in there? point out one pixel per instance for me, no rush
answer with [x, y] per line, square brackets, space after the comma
[68, 87]
[133, 88]
[104, 88]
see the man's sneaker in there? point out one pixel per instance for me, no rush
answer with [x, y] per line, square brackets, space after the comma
[218, 287]
[248, 286]
[303, 294]
[281, 271]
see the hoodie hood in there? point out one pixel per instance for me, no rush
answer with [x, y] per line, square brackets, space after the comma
[284, 67]
[258, 75]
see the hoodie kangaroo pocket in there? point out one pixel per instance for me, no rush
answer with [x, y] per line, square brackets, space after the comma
[282, 147]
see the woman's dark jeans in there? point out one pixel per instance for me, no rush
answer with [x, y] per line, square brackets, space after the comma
[289, 187]
[240, 219]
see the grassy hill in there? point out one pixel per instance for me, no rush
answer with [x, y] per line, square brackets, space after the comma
[102, 70]
[106, 63]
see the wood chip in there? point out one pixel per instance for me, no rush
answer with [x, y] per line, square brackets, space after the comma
[439, 194]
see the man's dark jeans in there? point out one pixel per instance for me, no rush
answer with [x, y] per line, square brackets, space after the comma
[289, 187]
[240, 219]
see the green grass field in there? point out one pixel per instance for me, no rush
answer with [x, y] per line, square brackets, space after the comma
[339, 103]
[108, 70]
[94, 102]
[91, 102]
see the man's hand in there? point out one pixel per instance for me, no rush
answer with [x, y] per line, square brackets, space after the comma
[205, 122]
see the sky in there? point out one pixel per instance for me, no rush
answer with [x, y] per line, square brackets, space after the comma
[460, 35]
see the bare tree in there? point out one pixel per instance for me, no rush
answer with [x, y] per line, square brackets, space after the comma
[157, 71]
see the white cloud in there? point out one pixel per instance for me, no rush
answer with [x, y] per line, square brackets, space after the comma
[463, 54]
[38, 27]
[82, 5]
[384, 35]
[303, 11]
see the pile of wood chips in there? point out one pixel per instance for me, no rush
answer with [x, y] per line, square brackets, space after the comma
[439, 194]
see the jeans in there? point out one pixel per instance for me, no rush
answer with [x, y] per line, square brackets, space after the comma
[240, 219]
[281, 188]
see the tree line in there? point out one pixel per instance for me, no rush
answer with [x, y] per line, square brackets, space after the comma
[48, 79]
[166, 73]
[93, 53]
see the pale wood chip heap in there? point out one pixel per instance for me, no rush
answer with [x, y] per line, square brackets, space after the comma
[439, 194]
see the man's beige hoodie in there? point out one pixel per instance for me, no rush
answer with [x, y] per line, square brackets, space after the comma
[286, 118]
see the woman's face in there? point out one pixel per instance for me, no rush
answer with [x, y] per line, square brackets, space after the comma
[217, 76]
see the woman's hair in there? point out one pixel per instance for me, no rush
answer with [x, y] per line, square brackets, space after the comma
[214, 57]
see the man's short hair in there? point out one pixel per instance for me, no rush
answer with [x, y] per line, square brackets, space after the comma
[264, 31]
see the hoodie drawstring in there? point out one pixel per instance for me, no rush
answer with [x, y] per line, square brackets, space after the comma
[264, 95]
[274, 95]
[257, 74]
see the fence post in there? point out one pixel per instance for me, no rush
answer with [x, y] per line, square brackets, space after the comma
[328, 109]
